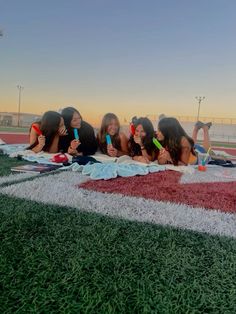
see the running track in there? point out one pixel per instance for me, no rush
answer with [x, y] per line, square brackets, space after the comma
[14, 138]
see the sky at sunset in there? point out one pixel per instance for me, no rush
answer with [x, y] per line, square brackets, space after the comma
[127, 57]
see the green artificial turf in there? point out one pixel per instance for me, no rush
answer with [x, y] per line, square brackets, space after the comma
[55, 260]
[59, 260]
[14, 129]
[7, 163]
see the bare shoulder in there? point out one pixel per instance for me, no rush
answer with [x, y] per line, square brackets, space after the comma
[36, 124]
[185, 142]
[123, 136]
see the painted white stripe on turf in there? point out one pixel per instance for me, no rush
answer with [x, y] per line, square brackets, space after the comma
[16, 177]
[60, 189]
[213, 174]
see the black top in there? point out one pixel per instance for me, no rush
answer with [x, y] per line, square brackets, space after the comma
[87, 138]
[135, 149]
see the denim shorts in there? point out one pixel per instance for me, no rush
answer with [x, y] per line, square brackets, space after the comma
[199, 149]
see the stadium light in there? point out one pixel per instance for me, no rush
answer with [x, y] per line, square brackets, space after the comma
[20, 88]
[199, 100]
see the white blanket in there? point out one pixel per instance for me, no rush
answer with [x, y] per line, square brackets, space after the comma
[108, 167]
[16, 150]
[124, 166]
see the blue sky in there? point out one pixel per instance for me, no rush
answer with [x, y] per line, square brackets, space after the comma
[128, 57]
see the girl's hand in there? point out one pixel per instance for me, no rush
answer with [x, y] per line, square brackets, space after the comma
[62, 131]
[142, 159]
[41, 140]
[138, 140]
[111, 151]
[164, 155]
[74, 144]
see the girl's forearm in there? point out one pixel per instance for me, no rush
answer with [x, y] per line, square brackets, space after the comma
[38, 148]
[145, 154]
[73, 152]
[121, 153]
[54, 146]
[181, 163]
[162, 161]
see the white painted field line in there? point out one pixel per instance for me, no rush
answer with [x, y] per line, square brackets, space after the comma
[61, 189]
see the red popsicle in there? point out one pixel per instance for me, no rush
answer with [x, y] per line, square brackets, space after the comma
[37, 130]
[132, 129]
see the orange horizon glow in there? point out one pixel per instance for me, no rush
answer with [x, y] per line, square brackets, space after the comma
[96, 117]
[93, 110]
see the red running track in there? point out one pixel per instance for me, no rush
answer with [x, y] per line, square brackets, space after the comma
[231, 151]
[14, 138]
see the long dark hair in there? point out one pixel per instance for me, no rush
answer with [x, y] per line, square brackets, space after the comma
[173, 134]
[49, 125]
[134, 148]
[115, 139]
[67, 114]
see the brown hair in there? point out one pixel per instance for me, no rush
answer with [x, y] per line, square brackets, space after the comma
[135, 149]
[115, 139]
[173, 134]
[49, 125]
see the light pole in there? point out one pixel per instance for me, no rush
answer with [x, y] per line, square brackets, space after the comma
[20, 88]
[199, 100]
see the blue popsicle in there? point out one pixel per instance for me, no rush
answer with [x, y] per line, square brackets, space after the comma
[108, 139]
[76, 134]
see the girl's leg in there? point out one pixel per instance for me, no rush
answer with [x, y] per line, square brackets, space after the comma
[194, 135]
[206, 138]
[197, 127]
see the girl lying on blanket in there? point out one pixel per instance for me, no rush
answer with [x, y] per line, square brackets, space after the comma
[141, 147]
[45, 134]
[179, 148]
[80, 140]
[117, 143]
